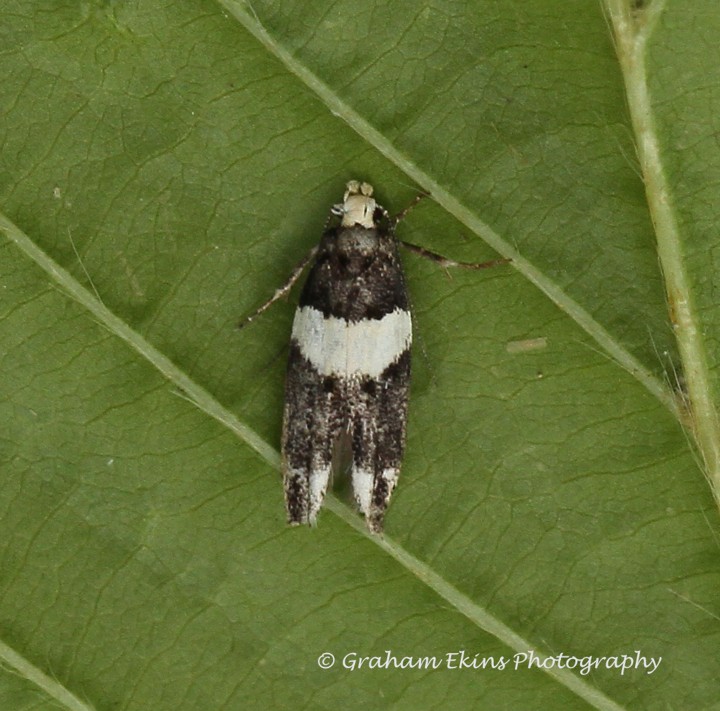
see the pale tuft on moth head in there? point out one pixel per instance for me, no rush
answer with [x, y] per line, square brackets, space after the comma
[358, 206]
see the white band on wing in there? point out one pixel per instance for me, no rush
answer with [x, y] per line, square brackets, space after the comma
[335, 346]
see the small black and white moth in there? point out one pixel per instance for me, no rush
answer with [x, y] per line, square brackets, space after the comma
[348, 372]
[349, 367]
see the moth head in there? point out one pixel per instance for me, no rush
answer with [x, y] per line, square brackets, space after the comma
[358, 207]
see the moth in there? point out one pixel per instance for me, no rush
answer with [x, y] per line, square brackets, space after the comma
[348, 374]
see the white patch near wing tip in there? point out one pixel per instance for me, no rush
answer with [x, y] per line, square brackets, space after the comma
[363, 483]
[319, 479]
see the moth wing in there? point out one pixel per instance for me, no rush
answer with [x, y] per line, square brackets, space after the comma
[377, 425]
[312, 423]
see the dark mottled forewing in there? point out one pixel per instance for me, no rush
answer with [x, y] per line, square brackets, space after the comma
[378, 417]
[347, 282]
[313, 420]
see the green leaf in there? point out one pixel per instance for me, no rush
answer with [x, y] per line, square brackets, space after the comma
[163, 168]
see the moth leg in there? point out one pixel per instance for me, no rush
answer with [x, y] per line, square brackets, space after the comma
[404, 213]
[312, 424]
[445, 262]
[283, 290]
[378, 439]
